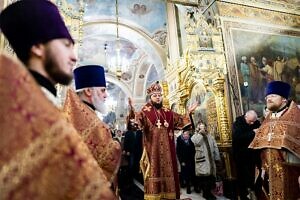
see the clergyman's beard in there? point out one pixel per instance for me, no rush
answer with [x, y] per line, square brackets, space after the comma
[55, 73]
[99, 105]
[157, 105]
[273, 107]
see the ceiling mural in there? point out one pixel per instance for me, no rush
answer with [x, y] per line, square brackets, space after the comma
[99, 47]
[140, 44]
[135, 12]
[136, 33]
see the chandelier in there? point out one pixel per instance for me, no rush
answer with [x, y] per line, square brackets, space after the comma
[117, 63]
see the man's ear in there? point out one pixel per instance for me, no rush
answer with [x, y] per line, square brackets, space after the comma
[284, 100]
[38, 50]
[87, 92]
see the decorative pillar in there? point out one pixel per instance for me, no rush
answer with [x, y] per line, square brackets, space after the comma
[183, 94]
[224, 128]
[165, 94]
[218, 87]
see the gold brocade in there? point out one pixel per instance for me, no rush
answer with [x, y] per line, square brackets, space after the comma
[95, 133]
[275, 137]
[285, 134]
[145, 164]
[41, 155]
[272, 164]
[159, 158]
[160, 196]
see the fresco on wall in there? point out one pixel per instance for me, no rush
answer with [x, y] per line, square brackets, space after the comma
[261, 58]
[139, 12]
[192, 21]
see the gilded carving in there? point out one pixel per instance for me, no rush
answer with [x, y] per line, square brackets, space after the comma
[287, 6]
[204, 65]
[260, 14]
[165, 94]
[73, 17]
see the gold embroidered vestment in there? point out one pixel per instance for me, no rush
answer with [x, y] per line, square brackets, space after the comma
[275, 138]
[95, 133]
[41, 154]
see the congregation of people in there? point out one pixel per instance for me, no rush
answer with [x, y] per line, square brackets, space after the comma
[53, 151]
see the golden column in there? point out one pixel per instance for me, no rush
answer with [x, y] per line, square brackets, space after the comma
[218, 88]
[183, 94]
[165, 94]
[224, 128]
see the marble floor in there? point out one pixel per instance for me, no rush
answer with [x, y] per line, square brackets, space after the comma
[196, 196]
[193, 195]
[135, 192]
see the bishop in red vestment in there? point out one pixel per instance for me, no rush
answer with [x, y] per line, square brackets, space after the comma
[158, 161]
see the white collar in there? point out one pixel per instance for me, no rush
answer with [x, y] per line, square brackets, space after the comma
[51, 97]
[276, 115]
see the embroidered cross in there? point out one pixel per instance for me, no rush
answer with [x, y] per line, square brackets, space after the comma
[171, 135]
[270, 136]
[158, 124]
[147, 108]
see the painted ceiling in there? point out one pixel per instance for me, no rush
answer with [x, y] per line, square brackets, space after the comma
[142, 27]
[142, 30]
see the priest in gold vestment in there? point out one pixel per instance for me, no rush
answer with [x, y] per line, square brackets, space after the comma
[80, 110]
[278, 138]
[41, 154]
[158, 162]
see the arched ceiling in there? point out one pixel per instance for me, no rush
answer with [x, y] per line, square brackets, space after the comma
[142, 43]
[142, 33]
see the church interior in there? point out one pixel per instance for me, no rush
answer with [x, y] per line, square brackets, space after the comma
[196, 49]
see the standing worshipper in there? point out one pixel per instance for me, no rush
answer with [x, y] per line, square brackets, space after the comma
[80, 109]
[129, 145]
[123, 174]
[134, 145]
[124, 160]
[41, 155]
[185, 150]
[158, 162]
[245, 159]
[278, 139]
[207, 154]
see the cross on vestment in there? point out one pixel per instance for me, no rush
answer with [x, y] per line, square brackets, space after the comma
[158, 124]
[171, 135]
[270, 136]
[147, 108]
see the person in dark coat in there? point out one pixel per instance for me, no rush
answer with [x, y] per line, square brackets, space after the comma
[245, 159]
[185, 150]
